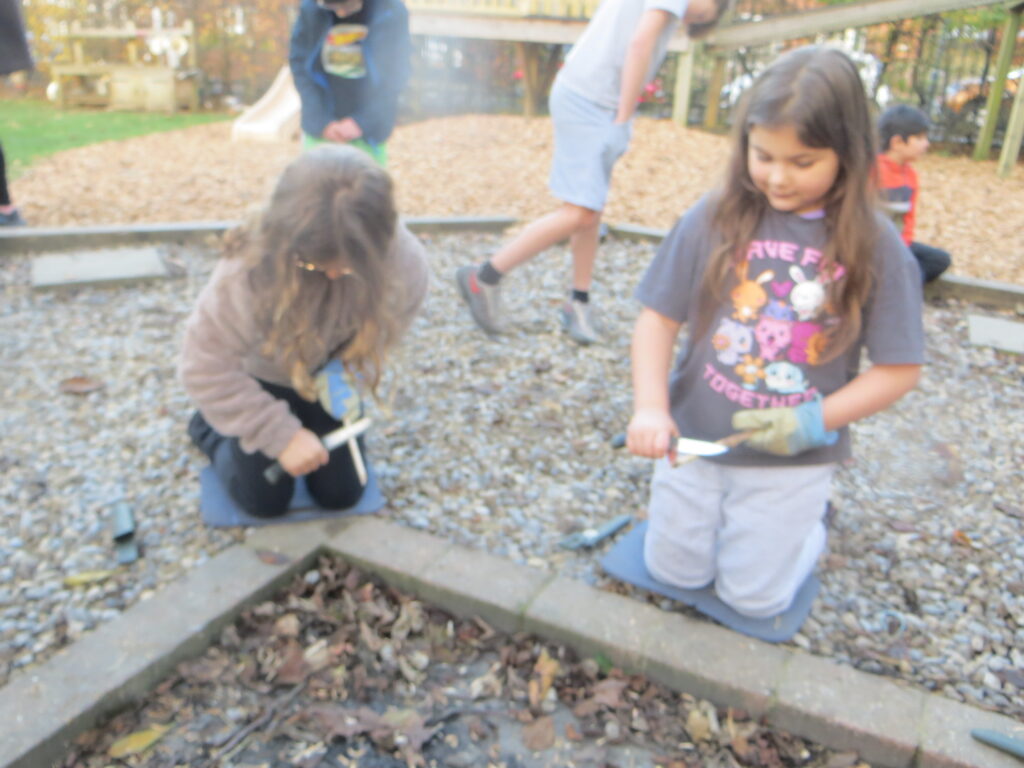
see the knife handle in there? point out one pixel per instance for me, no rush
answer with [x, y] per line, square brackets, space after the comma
[274, 473]
[999, 741]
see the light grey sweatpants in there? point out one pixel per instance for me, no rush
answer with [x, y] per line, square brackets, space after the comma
[756, 532]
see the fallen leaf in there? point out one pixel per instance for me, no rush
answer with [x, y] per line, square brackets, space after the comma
[697, 726]
[540, 734]
[137, 742]
[80, 385]
[87, 577]
[270, 557]
[287, 626]
[609, 692]
[571, 733]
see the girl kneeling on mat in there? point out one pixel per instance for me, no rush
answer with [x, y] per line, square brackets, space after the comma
[781, 276]
[324, 274]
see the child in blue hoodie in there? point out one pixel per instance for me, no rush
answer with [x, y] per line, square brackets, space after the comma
[350, 61]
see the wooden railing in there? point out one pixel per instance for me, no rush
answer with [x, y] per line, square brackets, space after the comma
[556, 9]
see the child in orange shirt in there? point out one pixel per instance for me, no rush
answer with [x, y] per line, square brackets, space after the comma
[903, 136]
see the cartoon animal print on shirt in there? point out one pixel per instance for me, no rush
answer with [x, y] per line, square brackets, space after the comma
[784, 378]
[807, 342]
[774, 329]
[732, 340]
[749, 296]
[751, 370]
[808, 296]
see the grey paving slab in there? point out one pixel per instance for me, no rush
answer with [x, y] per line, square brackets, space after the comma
[471, 583]
[946, 736]
[44, 708]
[97, 267]
[714, 663]
[890, 725]
[984, 292]
[848, 709]
[44, 239]
[593, 621]
[399, 555]
[996, 332]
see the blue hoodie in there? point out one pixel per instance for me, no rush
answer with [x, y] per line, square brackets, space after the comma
[368, 54]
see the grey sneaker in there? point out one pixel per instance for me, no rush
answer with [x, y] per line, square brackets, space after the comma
[484, 301]
[578, 321]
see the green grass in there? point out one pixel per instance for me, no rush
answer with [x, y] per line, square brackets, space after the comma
[31, 129]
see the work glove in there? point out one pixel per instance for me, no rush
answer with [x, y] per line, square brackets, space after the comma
[786, 431]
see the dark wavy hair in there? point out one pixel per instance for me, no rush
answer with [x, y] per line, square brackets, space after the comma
[334, 208]
[818, 91]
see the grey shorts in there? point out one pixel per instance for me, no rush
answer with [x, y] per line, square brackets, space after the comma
[587, 144]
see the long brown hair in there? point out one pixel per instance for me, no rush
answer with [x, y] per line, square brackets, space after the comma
[816, 90]
[333, 208]
[697, 31]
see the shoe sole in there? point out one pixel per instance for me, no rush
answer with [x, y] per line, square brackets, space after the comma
[467, 297]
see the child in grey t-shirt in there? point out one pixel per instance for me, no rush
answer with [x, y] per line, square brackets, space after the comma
[592, 104]
[781, 276]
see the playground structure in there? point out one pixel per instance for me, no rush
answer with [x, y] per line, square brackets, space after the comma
[275, 117]
[532, 24]
[130, 83]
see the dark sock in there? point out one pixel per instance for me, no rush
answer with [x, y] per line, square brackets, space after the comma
[581, 296]
[488, 274]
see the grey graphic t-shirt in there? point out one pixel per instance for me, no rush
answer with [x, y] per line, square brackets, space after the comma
[593, 68]
[764, 347]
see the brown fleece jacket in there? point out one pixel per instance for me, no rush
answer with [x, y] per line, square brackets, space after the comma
[221, 357]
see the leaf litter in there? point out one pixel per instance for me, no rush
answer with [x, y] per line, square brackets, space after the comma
[341, 670]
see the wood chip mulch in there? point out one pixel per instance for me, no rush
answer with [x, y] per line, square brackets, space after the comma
[480, 165]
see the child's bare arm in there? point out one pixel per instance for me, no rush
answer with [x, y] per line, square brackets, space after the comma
[651, 429]
[872, 391]
[638, 59]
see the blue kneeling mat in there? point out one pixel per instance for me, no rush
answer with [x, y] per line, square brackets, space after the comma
[220, 510]
[625, 561]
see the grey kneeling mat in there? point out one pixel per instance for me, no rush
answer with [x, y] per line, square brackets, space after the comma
[625, 561]
[220, 510]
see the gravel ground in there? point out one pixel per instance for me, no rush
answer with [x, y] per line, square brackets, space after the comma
[503, 446]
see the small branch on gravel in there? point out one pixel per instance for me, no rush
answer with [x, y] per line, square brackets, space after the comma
[238, 737]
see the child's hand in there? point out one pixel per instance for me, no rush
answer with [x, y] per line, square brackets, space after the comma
[343, 131]
[303, 454]
[786, 431]
[650, 433]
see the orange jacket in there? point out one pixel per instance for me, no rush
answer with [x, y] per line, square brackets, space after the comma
[898, 184]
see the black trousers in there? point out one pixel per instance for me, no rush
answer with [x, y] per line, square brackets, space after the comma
[333, 486]
[932, 261]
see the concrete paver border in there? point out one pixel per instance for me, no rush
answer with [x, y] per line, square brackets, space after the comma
[891, 724]
[23, 240]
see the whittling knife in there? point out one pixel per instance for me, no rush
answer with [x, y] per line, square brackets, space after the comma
[331, 440]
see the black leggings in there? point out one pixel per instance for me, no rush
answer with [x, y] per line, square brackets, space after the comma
[333, 486]
[5, 195]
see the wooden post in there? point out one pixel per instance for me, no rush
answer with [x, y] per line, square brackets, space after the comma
[526, 54]
[995, 94]
[714, 92]
[684, 84]
[1014, 135]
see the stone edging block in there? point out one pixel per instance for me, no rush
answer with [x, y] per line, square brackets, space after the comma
[889, 724]
[42, 239]
[42, 709]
